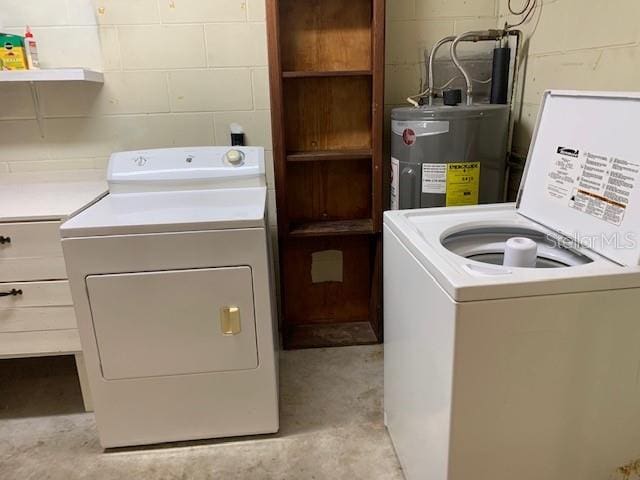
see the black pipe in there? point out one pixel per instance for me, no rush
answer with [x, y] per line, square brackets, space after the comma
[500, 75]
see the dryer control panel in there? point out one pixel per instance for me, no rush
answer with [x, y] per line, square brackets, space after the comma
[185, 168]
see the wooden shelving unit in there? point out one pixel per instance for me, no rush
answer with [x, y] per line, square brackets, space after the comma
[326, 60]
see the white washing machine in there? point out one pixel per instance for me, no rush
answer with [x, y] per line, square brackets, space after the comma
[172, 284]
[498, 369]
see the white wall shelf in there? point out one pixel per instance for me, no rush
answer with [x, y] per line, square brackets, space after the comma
[52, 75]
[36, 76]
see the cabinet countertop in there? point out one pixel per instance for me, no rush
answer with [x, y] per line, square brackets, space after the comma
[25, 198]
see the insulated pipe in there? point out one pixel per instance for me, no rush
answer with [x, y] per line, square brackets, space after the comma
[473, 36]
[500, 75]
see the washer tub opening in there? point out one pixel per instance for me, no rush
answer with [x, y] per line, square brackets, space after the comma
[487, 245]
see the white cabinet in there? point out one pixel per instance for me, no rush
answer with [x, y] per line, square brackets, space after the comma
[31, 251]
[36, 312]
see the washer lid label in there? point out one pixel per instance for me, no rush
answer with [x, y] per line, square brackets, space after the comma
[563, 173]
[595, 184]
[582, 173]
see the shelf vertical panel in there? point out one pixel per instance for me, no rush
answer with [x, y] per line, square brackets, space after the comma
[377, 133]
[377, 177]
[277, 112]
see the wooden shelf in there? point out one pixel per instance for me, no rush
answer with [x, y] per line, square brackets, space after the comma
[325, 34]
[323, 191]
[52, 75]
[328, 113]
[327, 73]
[332, 228]
[330, 306]
[329, 155]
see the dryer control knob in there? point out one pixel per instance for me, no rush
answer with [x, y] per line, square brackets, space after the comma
[234, 157]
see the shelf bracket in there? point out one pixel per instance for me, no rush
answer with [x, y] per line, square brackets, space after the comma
[35, 97]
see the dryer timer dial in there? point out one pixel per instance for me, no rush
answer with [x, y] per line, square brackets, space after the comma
[234, 157]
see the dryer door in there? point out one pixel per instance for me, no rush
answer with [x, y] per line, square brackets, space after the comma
[175, 322]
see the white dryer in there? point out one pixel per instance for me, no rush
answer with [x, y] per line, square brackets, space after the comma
[497, 370]
[171, 279]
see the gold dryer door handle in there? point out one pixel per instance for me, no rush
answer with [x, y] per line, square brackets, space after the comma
[230, 320]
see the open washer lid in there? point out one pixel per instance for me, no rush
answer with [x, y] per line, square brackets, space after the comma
[582, 177]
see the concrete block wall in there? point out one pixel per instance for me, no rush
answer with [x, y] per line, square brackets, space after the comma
[575, 44]
[177, 73]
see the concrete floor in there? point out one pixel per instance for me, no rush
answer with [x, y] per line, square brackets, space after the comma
[331, 427]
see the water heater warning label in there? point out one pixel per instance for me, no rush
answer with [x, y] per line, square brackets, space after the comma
[434, 178]
[395, 184]
[463, 183]
[459, 181]
[598, 185]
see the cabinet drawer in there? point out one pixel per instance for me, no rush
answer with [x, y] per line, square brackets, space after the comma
[32, 344]
[34, 252]
[41, 306]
